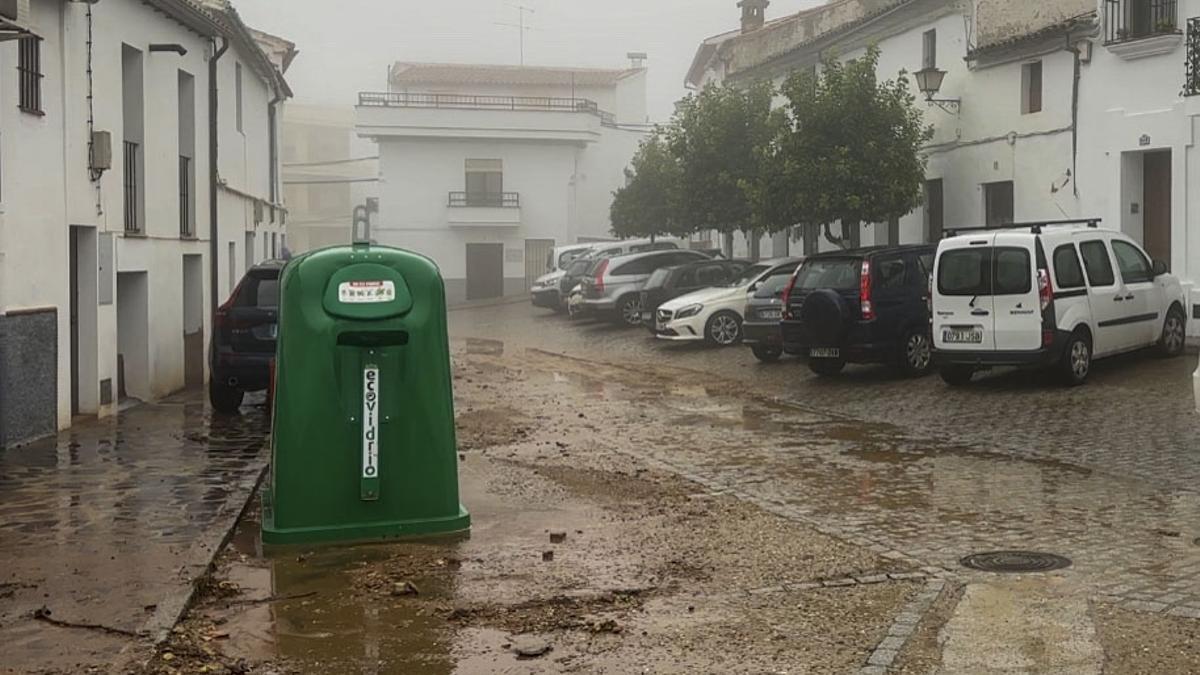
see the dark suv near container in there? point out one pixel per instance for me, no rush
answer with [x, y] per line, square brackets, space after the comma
[668, 283]
[244, 333]
[868, 305]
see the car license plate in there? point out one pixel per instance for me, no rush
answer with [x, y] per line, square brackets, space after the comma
[648, 317]
[772, 314]
[967, 335]
[825, 352]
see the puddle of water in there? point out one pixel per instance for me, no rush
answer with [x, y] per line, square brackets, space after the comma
[341, 605]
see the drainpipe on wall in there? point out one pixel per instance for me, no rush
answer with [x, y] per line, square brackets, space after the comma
[273, 148]
[213, 235]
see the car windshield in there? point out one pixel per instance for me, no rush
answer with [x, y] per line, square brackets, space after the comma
[772, 286]
[748, 276]
[840, 274]
[566, 257]
[579, 266]
[258, 291]
[659, 277]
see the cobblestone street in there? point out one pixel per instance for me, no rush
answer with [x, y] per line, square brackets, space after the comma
[108, 525]
[912, 469]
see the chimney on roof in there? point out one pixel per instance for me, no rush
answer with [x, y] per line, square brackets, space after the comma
[636, 59]
[754, 14]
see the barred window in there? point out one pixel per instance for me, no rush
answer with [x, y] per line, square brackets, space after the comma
[29, 69]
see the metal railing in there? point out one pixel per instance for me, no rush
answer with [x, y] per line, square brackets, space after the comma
[130, 183]
[509, 200]
[1191, 82]
[382, 99]
[1136, 19]
[186, 226]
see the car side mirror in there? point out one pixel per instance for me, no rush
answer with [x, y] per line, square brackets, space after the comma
[755, 286]
[1160, 268]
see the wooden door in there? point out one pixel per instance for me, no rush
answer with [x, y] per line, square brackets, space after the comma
[1156, 195]
[485, 271]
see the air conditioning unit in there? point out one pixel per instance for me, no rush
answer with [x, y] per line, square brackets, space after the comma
[101, 150]
[16, 14]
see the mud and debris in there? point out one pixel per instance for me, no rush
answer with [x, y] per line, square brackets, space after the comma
[581, 559]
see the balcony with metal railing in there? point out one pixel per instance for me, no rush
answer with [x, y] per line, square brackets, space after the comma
[436, 115]
[483, 209]
[1138, 28]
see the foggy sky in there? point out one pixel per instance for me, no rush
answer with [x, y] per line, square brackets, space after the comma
[346, 45]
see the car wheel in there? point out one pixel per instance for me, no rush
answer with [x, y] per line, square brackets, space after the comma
[957, 376]
[629, 310]
[916, 353]
[826, 367]
[723, 329]
[1173, 337]
[766, 353]
[225, 399]
[1076, 361]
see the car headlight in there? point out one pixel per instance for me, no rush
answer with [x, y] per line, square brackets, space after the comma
[689, 311]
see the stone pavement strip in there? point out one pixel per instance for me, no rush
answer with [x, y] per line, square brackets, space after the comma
[112, 522]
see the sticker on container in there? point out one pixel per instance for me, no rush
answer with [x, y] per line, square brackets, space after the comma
[370, 423]
[358, 292]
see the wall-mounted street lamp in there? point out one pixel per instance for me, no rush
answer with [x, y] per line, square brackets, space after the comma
[929, 81]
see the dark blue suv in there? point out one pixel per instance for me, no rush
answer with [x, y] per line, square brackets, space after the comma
[867, 305]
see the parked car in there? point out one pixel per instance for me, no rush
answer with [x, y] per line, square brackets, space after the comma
[582, 266]
[764, 311]
[545, 290]
[244, 333]
[711, 314]
[666, 283]
[866, 305]
[613, 286]
[1058, 293]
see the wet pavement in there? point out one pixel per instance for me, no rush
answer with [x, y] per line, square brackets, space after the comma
[106, 527]
[1104, 474]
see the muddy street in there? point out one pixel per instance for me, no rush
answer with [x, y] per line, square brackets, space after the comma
[640, 517]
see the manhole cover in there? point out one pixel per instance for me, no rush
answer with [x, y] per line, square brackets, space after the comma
[1015, 561]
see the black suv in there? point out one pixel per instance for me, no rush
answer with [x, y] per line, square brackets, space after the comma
[244, 333]
[867, 305]
[668, 283]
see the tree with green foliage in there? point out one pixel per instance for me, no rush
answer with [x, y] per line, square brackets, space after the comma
[648, 205]
[720, 137]
[851, 149]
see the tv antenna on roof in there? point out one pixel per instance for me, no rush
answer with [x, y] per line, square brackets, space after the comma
[522, 10]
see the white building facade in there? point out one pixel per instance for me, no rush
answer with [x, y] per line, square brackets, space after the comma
[1048, 109]
[327, 172]
[485, 168]
[105, 217]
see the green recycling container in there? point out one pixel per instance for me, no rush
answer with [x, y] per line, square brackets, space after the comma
[362, 443]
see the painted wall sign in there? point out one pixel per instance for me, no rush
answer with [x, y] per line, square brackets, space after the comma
[370, 423]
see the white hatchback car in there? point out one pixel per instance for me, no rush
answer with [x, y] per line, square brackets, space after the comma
[712, 314]
[1057, 293]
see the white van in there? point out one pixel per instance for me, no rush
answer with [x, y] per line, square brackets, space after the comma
[1056, 293]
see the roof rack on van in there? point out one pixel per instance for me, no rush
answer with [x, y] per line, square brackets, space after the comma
[1034, 226]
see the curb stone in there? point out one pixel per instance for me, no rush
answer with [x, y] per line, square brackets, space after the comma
[903, 626]
[203, 554]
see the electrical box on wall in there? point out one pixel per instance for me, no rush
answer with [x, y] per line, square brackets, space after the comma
[101, 150]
